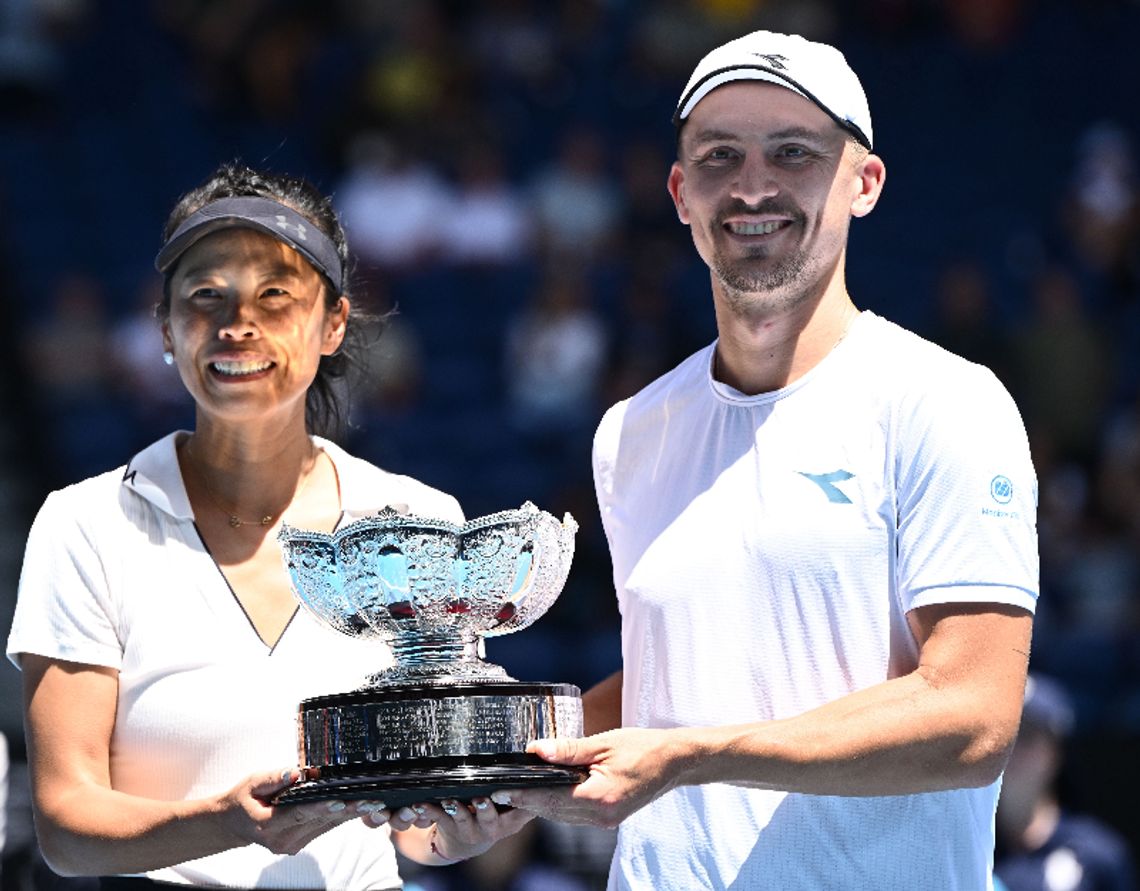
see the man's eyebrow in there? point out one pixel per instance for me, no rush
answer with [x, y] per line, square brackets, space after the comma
[792, 132]
[806, 133]
[708, 135]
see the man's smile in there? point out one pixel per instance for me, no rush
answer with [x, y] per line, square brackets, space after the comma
[765, 228]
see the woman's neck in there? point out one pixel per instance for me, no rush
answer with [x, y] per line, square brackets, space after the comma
[246, 473]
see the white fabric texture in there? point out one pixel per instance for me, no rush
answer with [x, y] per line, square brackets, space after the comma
[116, 574]
[751, 591]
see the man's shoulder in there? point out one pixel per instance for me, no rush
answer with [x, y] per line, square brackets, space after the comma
[690, 376]
[903, 361]
[898, 341]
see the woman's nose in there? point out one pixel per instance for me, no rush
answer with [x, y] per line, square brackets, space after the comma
[238, 323]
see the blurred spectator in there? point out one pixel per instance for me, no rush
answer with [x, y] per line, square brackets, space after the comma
[67, 352]
[32, 59]
[68, 359]
[248, 57]
[650, 220]
[411, 75]
[150, 386]
[965, 323]
[1042, 846]
[984, 24]
[393, 207]
[487, 221]
[651, 334]
[511, 39]
[1064, 362]
[555, 355]
[577, 202]
[392, 380]
[1100, 213]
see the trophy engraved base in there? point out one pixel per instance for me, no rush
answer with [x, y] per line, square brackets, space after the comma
[404, 743]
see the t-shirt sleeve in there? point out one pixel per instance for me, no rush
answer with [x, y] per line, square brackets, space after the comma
[966, 496]
[64, 609]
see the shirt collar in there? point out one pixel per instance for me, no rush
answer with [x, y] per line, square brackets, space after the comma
[154, 474]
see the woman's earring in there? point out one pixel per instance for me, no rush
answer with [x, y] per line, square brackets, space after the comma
[168, 357]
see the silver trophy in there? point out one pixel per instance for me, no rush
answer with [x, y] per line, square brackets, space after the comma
[442, 722]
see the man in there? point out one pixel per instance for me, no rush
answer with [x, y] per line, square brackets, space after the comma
[1044, 846]
[823, 538]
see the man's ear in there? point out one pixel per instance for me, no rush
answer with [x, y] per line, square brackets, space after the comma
[676, 186]
[871, 173]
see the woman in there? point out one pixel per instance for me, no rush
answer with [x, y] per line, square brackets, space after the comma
[163, 653]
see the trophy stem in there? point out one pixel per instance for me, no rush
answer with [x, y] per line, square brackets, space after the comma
[435, 649]
[438, 657]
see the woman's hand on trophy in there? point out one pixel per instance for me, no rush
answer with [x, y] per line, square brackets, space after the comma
[458, 830]
[628, 768]
[249, 813]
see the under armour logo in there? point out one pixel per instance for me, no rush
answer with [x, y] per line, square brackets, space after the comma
[775, 60]
[283, 223]
[827, 481]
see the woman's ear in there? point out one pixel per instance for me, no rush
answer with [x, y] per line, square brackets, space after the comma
[336, 322]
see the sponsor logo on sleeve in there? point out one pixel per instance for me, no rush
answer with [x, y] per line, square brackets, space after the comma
[1001, 492]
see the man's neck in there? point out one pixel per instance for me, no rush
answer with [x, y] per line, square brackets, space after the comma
[759, 353]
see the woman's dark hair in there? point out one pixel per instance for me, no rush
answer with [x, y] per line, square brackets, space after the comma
[326, 408]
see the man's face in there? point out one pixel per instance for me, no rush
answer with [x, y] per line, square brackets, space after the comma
[768, 184]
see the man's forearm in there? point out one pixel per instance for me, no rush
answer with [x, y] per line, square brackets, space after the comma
[932, 729]
[895, 738]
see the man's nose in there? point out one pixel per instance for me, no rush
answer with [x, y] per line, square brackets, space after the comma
[755, 181]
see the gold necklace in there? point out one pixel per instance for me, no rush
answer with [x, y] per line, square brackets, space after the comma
[237, 522]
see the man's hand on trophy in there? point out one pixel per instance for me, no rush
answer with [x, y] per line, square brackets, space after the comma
[461, 830]
[628, 768]
[249, 813]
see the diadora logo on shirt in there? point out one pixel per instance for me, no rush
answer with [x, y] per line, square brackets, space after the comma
[827, 483]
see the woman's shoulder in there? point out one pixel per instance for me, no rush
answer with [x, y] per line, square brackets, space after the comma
[148, 479]
[87, 497]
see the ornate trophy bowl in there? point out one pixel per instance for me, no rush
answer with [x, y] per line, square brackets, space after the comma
[442, 722]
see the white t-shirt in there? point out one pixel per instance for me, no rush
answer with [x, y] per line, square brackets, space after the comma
[116, 574]
[766, 550]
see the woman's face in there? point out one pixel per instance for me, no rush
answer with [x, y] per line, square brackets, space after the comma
[248, 325]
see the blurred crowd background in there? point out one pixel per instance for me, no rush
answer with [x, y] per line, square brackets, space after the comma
[500, 168]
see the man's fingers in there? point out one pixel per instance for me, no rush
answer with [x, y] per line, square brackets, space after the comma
[564, 751]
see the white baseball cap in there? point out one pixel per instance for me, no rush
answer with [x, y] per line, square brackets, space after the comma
[814, 70]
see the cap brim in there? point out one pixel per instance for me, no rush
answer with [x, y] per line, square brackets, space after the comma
[722, 76]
